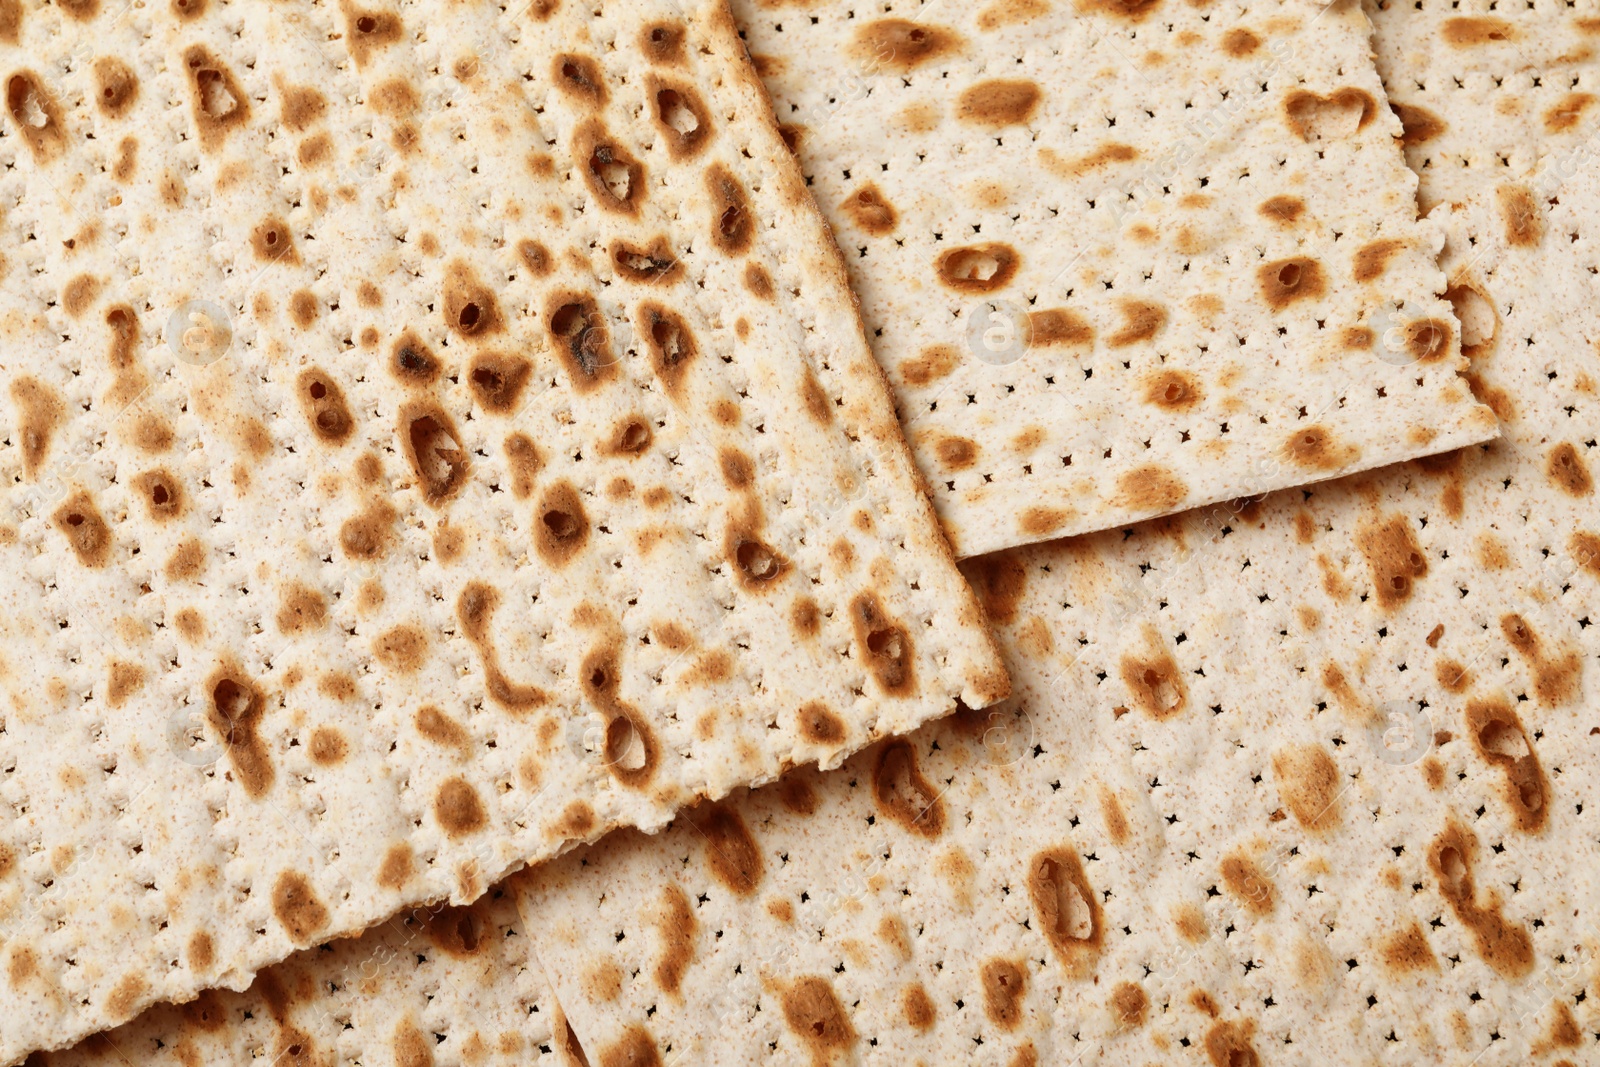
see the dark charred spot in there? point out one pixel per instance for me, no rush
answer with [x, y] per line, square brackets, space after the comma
[631, 752]
[301, 610]
[1567, 471]
[681, 117]
[1053, 327]
[413, 362]
[883, 645]
[733, 225]
[525, 462]
[1372, 258]
[272, 242]
[813, 1013]
[37, 115]
[234, 712]
[580, 78]
[999, 102]
[163, 494]
[1005, 983]
[1500, 739]
[1247, 883]
[1239, 41]
[614, 177]
[672, 347]
[1288, 281]
[1067, 909]
[1418, 125]
[562, 527]
[433, 447]
[220, 104]
[901, 45]
[758, 281]
[647, 264]
[819, 725]
[458, 809]
[979, 268]
[10, 21]
[469, 306]
[903, 794]
[678, 927]
[124, 326]
[497, 380]
[536, 257]
[631, 437]
[757, 565]
[1283, 210]
[1172, 390]
[369, 533]
[1154, 682]
[582, 338]
[1150, 489]
[79, 521]
[368, 29]
[662, 42]
[870, 210]
[730, 851]
[295, 904]
[302, 107]
[1503, 945]
[323, 402]
[1316, 448]
[116, 86]
[1394, 557]
[1326, 118]
[1476, 31]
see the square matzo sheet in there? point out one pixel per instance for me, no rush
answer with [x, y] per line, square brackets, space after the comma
[433, 434]
[1305, 781]
[1121, 258]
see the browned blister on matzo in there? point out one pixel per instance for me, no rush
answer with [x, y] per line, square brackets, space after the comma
[1305, 778]
[433, 433]
[1121, 259]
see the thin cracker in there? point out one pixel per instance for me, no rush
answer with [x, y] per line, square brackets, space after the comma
[1121, 259]
[1298, 780]
[268, 676]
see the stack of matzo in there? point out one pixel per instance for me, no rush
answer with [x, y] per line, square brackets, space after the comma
[434, 434]
[1121, 258]
[1313, 787]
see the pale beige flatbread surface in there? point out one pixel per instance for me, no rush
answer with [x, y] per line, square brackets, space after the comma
[1121, 259]
[441, 985]
[433, 433]
[1306, 780]
[1488, 92]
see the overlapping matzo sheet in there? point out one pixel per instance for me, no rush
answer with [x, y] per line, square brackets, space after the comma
[419, 453]
[1121, 259]
[441, 985]
[1301, 780]
[1491, 92]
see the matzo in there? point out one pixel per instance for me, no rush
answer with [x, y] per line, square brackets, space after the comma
[1303, 780]
[1491, 92]
[434, 434]
[443, 985]
[1121, 258]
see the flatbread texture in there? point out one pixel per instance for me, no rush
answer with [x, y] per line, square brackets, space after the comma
[419, 454]
[1122, 259]
[1490, 93]
[441, 985]
[1299, 780]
